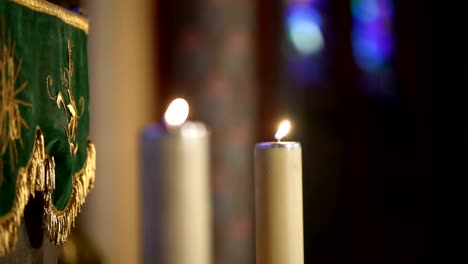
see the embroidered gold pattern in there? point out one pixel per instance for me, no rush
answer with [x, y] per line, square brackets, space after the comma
[70, 108]
[38, 175]
[11, 121]
[57, 11]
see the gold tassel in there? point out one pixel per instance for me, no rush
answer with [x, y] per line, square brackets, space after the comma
[59, 223]
[28, 179]
[39, 175]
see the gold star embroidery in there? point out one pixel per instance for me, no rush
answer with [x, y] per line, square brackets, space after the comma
[11, 121]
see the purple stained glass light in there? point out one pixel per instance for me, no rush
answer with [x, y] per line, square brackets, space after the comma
[372, 37]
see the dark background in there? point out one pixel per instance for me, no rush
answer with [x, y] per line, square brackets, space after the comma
[385, 176]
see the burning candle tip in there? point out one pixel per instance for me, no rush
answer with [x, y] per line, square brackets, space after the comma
[177, 112]
[283, 130]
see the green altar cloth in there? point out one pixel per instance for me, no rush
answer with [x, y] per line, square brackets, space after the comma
[44, 116]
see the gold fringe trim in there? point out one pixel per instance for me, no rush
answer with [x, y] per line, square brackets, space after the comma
[39, 175]
[59, 223]
[56, 11]
[28, 179]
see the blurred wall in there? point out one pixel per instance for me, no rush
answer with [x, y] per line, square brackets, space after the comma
[207, 55]
[122, 102]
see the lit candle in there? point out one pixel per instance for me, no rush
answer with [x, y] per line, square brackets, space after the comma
[278, 201]
[176, 188]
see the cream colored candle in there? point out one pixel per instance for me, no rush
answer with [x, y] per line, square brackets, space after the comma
[177, 214]
[278, 201]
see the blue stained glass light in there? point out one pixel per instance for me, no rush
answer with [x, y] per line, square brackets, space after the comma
[304, 28]
[372, 37]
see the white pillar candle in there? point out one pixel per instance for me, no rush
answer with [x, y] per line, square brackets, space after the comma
[278, 201]
[177, 210]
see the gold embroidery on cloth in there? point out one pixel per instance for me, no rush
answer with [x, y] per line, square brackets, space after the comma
[59, 223]
[28, 180]
[57, 11]
[11, 121]
[39, 172]
[70, 108]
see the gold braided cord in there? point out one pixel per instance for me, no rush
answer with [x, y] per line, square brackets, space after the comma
[39, 175]
[59, 223]
[27, 180]
[57, 11]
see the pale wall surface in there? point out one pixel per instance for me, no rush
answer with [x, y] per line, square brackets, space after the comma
[121, 63]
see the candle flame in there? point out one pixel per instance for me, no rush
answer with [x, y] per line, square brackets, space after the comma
[283, 130]
[177, 112]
